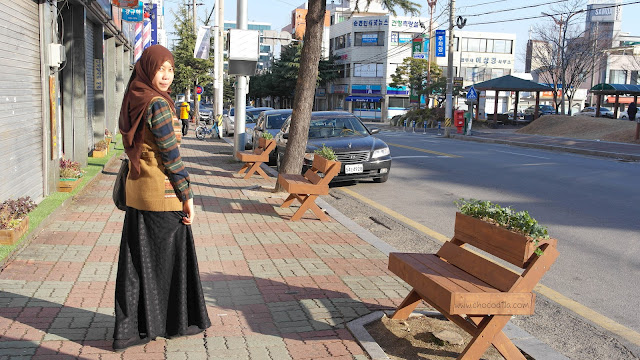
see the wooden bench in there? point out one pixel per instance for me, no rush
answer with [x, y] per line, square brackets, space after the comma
[253, 159]
[475, 293]
[306, 188]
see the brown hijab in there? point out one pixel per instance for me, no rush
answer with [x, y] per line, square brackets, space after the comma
[136, 101]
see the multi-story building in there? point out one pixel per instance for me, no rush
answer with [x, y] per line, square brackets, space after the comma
[370, 48]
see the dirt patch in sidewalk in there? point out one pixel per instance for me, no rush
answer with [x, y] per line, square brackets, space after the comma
[414, 339]
[583, 127]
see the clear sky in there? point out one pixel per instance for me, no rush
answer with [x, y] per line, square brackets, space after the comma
[278, 14]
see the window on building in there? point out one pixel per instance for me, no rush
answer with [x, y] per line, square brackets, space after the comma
[340, 42]
[464, 44]
[344, 71]
[474, 45]
[617, 76]
[489, 45]
[373, 38]
[399, 102]
[455, 43]
[634, 77]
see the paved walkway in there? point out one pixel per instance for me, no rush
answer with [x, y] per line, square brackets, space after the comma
[275, 289]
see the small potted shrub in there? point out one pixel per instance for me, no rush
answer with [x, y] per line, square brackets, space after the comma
[14, 221]
[107, 136]
[100, 149]
[70, 174]
[324, 157]
[508, 228]
[264, 139]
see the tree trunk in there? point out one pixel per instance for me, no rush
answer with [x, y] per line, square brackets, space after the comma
[305, 89]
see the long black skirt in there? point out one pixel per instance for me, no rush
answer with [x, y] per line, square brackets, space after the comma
[158, 289]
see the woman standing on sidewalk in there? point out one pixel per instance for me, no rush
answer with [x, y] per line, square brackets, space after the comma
[158, 289]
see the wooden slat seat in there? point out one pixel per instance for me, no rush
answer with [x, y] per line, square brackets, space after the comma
[475, 293]
[306, 188]
[254, 158]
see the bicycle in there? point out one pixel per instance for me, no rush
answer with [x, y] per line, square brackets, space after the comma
[202, 131]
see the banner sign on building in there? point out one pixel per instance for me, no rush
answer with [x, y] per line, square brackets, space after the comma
[134, 14]
[152, 10]
[98, 78]
[440, 43]
[203, 43]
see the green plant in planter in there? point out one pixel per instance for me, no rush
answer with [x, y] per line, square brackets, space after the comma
[13, 211]
[70, 169]
[101, 145]
[267, 135]
[505, 217]
[327, 153]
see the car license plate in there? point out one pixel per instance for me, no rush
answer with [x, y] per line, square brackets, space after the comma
[353, 169]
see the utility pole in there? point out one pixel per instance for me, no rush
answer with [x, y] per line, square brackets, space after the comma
[218, 67]
[448, 114]
[241, 87]
[196, 103]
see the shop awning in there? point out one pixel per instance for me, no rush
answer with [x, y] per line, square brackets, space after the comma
[364, 98]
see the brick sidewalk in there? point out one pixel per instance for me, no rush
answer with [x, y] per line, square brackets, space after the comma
[275, 289]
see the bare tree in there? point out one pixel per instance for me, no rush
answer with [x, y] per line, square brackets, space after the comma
[307, 75]
[566, 52]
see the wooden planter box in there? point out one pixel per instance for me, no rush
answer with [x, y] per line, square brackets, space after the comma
[10, 236]
[507, 245]
[99, 153]
[322, 164]
[262, 142]
[67, 185]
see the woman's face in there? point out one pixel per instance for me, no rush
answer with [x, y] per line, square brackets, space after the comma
[164, 77]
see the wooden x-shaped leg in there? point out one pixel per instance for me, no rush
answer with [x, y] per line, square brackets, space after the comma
[308, 202]
[486, 330]
[256, 168]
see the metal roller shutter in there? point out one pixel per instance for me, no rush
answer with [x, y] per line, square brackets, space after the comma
[20, 101]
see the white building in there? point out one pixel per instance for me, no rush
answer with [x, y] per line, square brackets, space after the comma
[370, 48]
[482, 56]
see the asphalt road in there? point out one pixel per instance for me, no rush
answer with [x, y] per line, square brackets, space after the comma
[589, 204]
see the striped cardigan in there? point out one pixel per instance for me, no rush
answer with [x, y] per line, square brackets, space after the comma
[164, 182]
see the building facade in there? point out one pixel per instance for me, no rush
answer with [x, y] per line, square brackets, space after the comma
[61, 87]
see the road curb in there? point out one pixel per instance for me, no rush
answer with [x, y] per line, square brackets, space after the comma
[608, 154]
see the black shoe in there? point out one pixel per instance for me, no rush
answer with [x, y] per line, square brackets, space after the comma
[121, 345]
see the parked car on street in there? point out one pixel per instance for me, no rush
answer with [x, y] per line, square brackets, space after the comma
[542, 110]
[269, 121]
[250, 123]
[206, 113]
[625, 116]
[228, 121]
[591, 111]
[362, 155]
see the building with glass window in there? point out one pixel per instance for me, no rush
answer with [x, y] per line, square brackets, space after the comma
[370, 48]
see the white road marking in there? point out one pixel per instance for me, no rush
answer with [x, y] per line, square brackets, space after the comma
[533, 156]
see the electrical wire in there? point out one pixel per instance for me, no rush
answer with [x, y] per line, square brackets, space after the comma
[542, 16]
[514, 9]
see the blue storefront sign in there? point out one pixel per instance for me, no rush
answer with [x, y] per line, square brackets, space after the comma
[133, 15]
[366, 89]
[440, 43]
[402, 90]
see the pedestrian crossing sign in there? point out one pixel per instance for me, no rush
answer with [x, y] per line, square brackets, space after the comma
[472, 94]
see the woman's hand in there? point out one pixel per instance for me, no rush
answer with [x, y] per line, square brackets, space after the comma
[187, 207]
